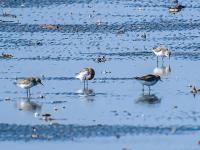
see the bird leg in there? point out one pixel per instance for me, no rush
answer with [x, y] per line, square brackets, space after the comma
[157, 61]
[29, 92]
[87, 84]
[84, 84]
[149, 90]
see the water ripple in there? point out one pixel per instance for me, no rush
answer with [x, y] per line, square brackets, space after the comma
[164, 25]
[14, 132]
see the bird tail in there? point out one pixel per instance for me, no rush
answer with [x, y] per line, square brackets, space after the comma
[77, 76]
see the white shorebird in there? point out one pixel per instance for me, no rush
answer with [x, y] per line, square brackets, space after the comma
[28, 83]
[161, 51]
[85, 74]
[148, 80]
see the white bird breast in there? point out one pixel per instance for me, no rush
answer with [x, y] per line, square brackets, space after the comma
[82, 75]
[160, 53]
[148, 83]
[25, 86]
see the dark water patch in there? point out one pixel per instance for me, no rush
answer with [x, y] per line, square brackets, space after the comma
[7, 21]
[164, 25]
[134, 53]
[42, 58]
[188, 48]
[141, 3]
[113, 79]
[194, 55]
[39, 3]
[73, 93]
[182, 55]
[58, 102]
[180, 38]
[71, 78]
[58, 78]
[53, 102]
[19, 42]
[14, 132]
[95, 79]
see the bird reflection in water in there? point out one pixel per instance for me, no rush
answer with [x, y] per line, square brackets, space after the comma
[86, 94]
[162, 71]
[28, 105]
[148, 98]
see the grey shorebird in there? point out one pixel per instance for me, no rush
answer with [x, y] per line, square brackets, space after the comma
[85, 74]
[28, 83]
[148, 80]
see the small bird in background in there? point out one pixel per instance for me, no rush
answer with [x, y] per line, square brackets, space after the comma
[28, 83]
[85, 74]
[100, 59]
[194, 90]
[148, 80]
[161, 51]
[175, 9]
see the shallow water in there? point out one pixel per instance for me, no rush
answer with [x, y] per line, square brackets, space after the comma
[114, 111]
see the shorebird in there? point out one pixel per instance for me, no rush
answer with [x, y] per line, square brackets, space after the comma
[176, 8]
[4, 55]
[161, 51]
[46, 117]
[100, 59]
[148, 80]
[194, 90]
[28, 83]
[85, 74]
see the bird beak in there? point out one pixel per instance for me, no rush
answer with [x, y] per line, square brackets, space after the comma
[161, 80]
[41, 83]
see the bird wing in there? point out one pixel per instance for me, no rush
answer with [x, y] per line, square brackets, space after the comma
[148, 77]
[24, 81]
[158, 49]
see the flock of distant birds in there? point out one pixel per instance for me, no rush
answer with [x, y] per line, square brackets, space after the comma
[88, 73]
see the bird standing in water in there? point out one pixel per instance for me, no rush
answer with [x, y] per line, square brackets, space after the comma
[161, 51]
[28, 83]
[85, 74]
[148, 80]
